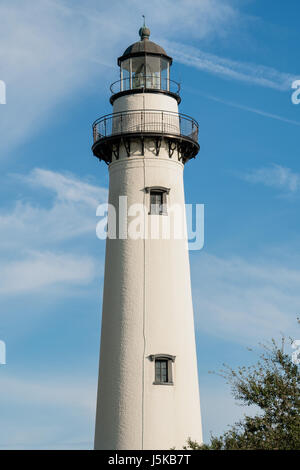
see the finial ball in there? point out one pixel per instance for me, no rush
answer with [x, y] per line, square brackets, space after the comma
[144, 32]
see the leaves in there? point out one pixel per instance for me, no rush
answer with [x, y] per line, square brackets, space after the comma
[272, 384]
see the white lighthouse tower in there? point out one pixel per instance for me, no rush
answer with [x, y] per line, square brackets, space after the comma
[148, 394]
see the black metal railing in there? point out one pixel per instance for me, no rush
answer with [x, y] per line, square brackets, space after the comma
[155, 82]
[145, 121]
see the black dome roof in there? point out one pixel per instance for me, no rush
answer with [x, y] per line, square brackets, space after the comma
[144, 46]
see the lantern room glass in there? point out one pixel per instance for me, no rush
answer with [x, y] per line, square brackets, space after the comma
[138, 72]
[126, 75]
[153, 72]
[165, 74]
[147, 71]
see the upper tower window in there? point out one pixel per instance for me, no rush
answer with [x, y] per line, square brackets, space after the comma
[158, 200]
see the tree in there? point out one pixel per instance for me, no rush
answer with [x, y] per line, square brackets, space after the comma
[273, 385]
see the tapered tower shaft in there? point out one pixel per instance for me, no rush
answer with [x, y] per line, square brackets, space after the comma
[148, 395]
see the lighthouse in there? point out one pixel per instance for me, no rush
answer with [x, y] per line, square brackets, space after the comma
[148, 392]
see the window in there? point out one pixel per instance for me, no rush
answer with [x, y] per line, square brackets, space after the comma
[158, 200]
[165, 74]
[153, 72]
[126, 75]
[138, 72]
[163, 369]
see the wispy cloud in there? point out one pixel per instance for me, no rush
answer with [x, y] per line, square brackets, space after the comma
[49, 50]
[36, 232]
[260, 112]
[192, 18]
[245, 301]
[67, 187]
[39, 270]
[71, 212]
[241, 71]
[58, 392]
[276, 176]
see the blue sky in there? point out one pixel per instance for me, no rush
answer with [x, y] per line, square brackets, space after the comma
[236, 61]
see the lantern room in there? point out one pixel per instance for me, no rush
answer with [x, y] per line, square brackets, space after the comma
[145, 66]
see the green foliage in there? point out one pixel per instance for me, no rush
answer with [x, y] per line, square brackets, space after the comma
[273, 385]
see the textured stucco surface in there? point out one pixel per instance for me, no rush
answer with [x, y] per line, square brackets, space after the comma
[147, 309]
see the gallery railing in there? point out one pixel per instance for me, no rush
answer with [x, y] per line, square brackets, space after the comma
[146, 122]
[154, 82]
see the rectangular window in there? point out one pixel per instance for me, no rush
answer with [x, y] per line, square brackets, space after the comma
[161, 371]
[138, 72]
[164, 74]
[152, 72]
[163, 368]
[158, 202]
[125, 75]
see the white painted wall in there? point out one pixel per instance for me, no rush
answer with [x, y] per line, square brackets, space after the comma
[145, 101]
[147, 309]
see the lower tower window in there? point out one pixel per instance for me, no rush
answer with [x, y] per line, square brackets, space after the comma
[163, 369]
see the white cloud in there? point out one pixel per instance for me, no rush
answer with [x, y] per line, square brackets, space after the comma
[277, 117]
[191, 18]
[42, 269]
[245, 301]
[48, 50]
[57, 392]
[30, 226]
[231, 69]
[71, 212]
[67, 187]
[34, 233]
[276, 176]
